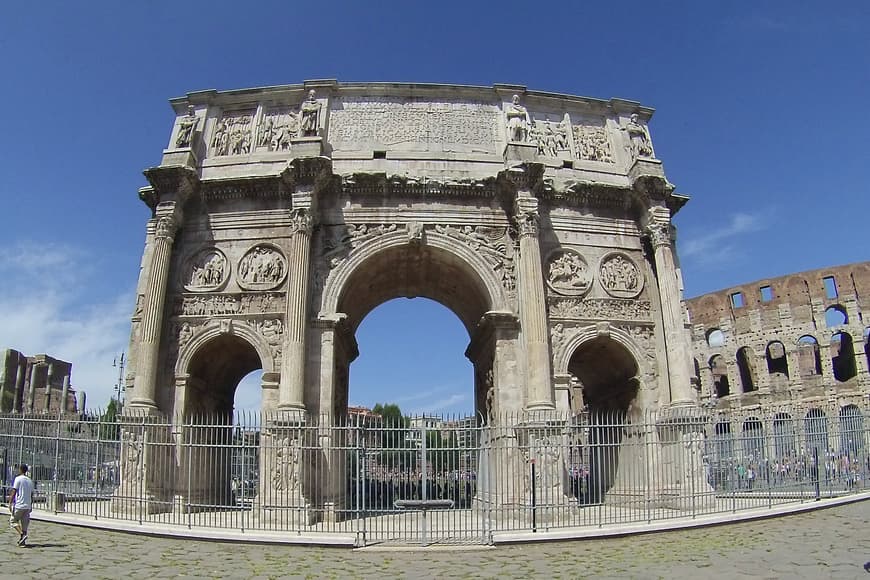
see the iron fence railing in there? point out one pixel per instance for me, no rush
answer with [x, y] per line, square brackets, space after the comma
[436, 479]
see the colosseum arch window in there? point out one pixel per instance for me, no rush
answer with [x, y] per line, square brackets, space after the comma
[723, 443]
[830, 287]
[719, 370]
[816, 431]
[809, 356]
[737, 300]
[715, 338]
[851, 431]
[843, 356]
[753, 439]
[836, 316]
[696, 379]
[777, 362]
[766, 293]
[783, 435]
[867, 345]
[746, 366]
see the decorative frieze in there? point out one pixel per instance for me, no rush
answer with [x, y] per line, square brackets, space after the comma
[491, 243]
[599, 308]
[227, 304]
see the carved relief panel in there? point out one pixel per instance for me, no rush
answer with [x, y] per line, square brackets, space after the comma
[206, 271]
[232, 134]
[619, 276]
[568, 273]
[277, 126]
[552, 138]
[263, 267]
[591, 143]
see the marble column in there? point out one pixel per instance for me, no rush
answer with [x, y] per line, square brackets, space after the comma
[31, 388]
[20, 379]
[145, 383]
[46, 407]
[679, 352]
[64, 394]
[3, 379]
[533, 307]
[291, 389]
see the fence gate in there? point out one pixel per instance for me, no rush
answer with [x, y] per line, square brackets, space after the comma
[416, 484]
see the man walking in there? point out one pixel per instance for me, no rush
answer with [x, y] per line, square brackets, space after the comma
[21, 503]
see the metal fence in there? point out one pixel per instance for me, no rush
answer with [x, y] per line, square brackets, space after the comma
[436, 479]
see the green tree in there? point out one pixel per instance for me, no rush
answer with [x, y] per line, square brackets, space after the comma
[109, 427]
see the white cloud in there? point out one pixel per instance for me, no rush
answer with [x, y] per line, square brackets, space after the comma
[45, 309]
[718, 243]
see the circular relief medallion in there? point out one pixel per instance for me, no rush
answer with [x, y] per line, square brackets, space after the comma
[263, 267]
[568, 273]
[620, 276]
[207, 270]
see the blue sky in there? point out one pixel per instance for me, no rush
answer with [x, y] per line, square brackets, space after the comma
[761, 118]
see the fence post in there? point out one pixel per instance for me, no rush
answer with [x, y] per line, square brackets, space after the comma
[56, 502]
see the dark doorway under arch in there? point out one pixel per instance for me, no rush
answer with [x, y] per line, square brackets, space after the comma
[209, 462]
[606, 374]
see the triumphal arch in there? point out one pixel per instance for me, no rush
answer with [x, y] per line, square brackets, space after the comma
[281, 216]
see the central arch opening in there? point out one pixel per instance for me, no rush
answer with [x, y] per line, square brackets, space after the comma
[412, 335]
[417, 349]
[412, 354]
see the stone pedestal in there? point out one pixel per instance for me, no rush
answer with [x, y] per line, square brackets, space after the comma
[515, 153]
[183, 156]
[522, 475]
[306, 146]
[289, 472]
[147, 467]
[681, 474]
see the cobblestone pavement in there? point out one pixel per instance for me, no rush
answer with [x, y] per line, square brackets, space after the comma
[829, 543]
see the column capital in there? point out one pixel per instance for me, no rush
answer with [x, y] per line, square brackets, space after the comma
[526, 216]
[166, 227]
[301, 221]
[658, 226]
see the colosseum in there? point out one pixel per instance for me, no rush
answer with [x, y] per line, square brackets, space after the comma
[800, 340]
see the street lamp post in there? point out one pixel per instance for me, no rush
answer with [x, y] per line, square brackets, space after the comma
[119, 363]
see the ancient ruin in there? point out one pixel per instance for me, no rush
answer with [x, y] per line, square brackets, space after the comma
[799, 340]
[281, 216]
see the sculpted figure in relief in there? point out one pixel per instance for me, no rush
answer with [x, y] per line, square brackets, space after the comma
[518, 121]
[638, 138]
[310, 116]
[186, 128]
